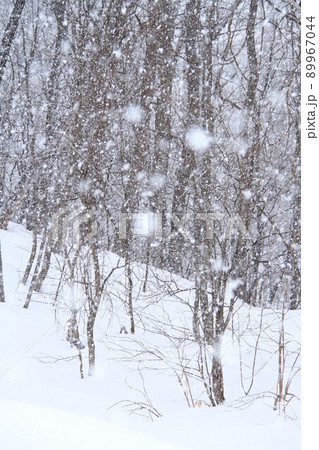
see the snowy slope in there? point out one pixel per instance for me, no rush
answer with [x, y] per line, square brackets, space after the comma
[42, 397]
[29, 427]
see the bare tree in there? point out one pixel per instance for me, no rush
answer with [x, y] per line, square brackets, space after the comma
[9, 34]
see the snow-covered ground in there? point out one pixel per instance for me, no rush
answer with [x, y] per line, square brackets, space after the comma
[45, 404]
[29, 427]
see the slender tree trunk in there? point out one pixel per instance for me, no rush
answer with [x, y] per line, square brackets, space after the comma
[44, 268]
[9, 35]
[94, 304]
[147, 264]
[217, 374]
[32, 256]
[36, 272]
[130, 296]
[90, 338]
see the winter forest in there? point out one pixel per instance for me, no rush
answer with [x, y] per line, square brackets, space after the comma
[150, 223]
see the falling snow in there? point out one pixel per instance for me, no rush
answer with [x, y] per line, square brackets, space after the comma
[198, 139]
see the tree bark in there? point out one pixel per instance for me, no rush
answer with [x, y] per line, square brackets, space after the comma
[9, 35]
[217, 375]
[130, 296]
[94, 303]
[32, 256]
[36, 271]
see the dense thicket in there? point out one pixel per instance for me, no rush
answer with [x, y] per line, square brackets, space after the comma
[185, 110]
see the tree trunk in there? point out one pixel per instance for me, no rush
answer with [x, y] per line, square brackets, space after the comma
[36, 271]
[217, 375]
[9, 34]
[44, 269]
[130, 296]
[90, 338]
[94, 304]
[32, 256]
